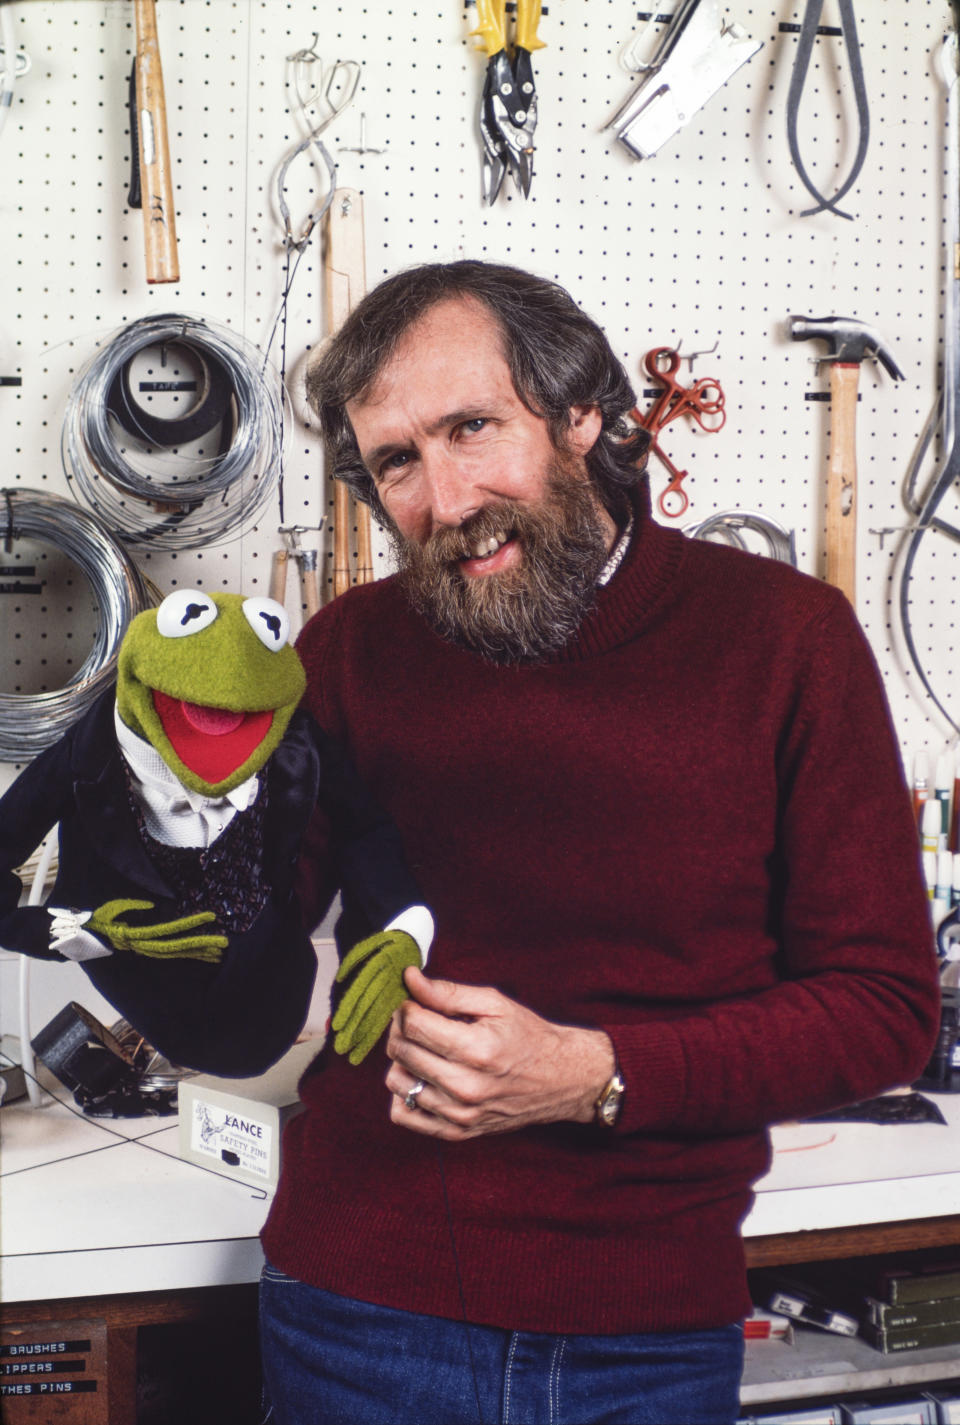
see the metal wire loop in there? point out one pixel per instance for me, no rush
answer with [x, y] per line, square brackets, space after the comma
[29, 722]
[168, 498]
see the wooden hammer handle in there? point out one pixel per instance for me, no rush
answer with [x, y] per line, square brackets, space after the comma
[345, 272]
[278, 576]
[364, 545]
[842, 479]
[159, 223]
[341, 538]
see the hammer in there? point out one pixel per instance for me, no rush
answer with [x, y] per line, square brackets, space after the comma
[849, 342]
[156, 180]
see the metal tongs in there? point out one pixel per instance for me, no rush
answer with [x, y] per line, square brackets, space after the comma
[696, 56]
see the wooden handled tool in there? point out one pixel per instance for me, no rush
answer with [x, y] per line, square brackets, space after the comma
[850, 342]
[156, 184]
[278, 576]
[842, 479]
[345, 273]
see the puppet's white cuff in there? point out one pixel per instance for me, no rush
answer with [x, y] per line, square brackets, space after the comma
[417, 921]
[68, 937]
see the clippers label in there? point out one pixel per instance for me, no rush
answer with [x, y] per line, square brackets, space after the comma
[228, 1137]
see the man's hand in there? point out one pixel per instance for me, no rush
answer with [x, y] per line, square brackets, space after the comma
[488, 1064]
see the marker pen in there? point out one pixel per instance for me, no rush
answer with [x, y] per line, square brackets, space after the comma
[955, 809]
[921, 782]
[942, 791]
[930, 821]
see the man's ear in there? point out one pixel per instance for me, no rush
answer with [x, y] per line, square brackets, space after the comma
[585, 425]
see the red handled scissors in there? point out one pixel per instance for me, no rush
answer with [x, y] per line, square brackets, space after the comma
[702, 399]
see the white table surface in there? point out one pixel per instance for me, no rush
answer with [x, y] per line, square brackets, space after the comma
[848, 1174]
[93, 1207]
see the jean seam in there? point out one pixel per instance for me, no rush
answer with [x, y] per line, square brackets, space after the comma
[507, 1376]
[277, 1278]
[554, 1386]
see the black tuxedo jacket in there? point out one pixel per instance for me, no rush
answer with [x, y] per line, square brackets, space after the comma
[239, 1016]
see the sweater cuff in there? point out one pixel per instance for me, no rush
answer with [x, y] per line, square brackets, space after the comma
[416, 921]
[650, 1058]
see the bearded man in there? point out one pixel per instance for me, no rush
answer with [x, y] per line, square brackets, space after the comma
[651, 792]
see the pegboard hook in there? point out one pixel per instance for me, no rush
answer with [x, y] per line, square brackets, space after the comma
[690, 356]
[362, 147]
[629, 55]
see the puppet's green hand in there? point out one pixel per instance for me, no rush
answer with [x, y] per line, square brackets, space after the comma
[376, 991]
[167, 941]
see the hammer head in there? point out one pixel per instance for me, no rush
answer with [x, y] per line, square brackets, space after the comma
[847, 340]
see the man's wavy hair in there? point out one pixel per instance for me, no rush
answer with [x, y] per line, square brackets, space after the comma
[558, 358]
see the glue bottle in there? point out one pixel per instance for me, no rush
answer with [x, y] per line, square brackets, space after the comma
[930, 826]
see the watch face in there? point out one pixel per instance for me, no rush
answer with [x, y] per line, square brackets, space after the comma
[609, 1105]
[610, 1108]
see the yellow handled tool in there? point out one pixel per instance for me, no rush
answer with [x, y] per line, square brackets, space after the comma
[508, 106]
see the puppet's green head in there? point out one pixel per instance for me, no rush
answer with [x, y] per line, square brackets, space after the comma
[212, 682]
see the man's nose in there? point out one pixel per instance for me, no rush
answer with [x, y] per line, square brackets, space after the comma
[451, 493]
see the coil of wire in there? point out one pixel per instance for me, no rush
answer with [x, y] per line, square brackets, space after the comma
[727, 526]
[29, 722]
[168, 498]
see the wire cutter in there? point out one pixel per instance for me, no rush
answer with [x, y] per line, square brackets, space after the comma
[508, 106]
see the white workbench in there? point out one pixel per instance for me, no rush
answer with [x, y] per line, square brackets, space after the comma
[829, 1175]
[107, 1206]
[95, 1207]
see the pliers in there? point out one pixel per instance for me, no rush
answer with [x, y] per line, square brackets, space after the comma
[508, 106]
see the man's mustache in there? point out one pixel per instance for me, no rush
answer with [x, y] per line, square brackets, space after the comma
[453, 543]
[501, 520]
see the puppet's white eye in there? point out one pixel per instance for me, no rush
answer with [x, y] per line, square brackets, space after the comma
[185, 611]
[269, 621]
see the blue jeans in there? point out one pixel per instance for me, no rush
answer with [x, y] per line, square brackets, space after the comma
[328, 1360]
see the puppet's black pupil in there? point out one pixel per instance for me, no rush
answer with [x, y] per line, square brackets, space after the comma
[193, 611]
[273, 623]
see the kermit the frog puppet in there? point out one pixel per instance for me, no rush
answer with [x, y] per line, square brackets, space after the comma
[183, 797]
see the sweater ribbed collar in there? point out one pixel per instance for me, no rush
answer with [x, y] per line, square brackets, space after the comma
[637, 590]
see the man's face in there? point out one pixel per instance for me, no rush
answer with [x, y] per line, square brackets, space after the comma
[491, 521]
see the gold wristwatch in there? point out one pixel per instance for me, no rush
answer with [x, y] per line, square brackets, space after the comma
[608, 1104]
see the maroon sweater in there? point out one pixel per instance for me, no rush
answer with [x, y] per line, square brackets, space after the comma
[690, 829]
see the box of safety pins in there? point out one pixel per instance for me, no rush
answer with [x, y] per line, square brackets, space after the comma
[233, 1126]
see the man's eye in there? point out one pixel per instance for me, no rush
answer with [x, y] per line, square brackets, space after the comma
[394, 463]
[395, 469]
[476, 424]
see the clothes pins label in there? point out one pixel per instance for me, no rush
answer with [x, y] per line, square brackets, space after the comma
[345, 281]
[53, 1370]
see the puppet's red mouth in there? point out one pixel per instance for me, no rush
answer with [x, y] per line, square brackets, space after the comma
[212, 742]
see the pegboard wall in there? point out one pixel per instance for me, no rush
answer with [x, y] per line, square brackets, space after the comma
[701, 246]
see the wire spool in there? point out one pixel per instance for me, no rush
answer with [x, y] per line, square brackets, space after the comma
[728, 526]
[129, 465]
[29, 722]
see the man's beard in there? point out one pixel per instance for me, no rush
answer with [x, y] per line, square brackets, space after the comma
[532, 610]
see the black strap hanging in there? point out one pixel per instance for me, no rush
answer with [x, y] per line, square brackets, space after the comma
[808, 33]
